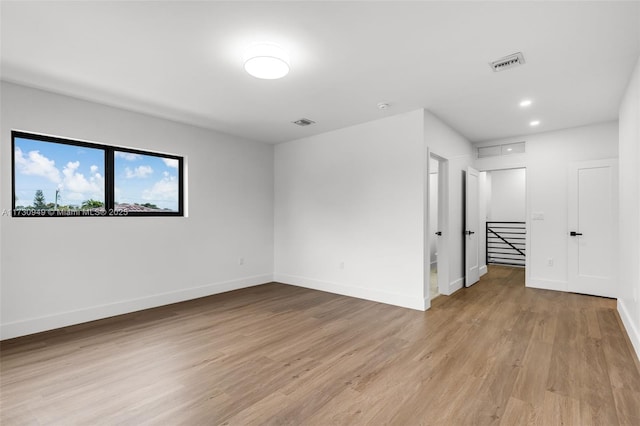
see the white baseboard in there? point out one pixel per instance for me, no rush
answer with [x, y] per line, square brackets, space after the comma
[483, 270]
[547, 284]
[389, 298]
[454, 286]
[632, 330]
[427, 303]
[64, 319]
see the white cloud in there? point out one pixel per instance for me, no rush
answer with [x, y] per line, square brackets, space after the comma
[36, 164]
[94, 168]
[75, 182]
[162, 191]
[139, 172]
[127, 156]
[71, 167]
[170, 162]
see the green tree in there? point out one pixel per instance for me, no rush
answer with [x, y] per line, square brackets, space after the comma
[39, 201]
[92, 204]
[149, 205]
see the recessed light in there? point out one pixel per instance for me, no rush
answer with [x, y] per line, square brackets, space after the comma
[534, 123]
[266, 61]
[525, 103]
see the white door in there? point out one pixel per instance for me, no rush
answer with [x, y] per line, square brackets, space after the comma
[593, 227]
[472, 223]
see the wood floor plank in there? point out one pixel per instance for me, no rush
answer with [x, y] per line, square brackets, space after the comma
[560, 410]
[496, 353]
[627, 406]
[518, 412]
[531, 383]
[594, 371]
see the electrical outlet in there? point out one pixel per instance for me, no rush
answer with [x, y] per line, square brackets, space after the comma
[550, 261]
[341, 265]
[241, 261]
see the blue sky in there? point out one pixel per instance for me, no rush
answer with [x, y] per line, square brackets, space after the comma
[78, 173]
[146, 179]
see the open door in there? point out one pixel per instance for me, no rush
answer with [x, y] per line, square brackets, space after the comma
[472, 224]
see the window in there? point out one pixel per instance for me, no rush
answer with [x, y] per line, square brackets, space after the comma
[504, 149]
[60, 178]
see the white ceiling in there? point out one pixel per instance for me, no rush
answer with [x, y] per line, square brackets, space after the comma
[183, 60]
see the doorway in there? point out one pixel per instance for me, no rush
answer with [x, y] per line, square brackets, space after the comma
[503, 207]
[437, 262]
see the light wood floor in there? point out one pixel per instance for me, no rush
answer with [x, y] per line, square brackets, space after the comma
[496, 353]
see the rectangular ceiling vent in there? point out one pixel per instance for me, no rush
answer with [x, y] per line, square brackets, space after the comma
[507, 62]
[304, 122]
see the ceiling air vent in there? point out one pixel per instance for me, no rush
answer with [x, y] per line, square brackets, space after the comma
[507, 62]
[304, 122]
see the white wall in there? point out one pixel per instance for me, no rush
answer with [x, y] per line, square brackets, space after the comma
[99, 267]
[445, 142]
[547, 159]
[507, 195]
[349, 211]
[629, 212]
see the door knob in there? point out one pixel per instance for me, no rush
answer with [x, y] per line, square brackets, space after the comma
[575, 234]
[439, 233]
[469, 232]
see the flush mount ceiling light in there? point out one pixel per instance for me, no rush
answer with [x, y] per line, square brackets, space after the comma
[266, 61]
[534, 123]
[525, 103]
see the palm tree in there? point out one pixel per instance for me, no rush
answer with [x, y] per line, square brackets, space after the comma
[92, 204]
